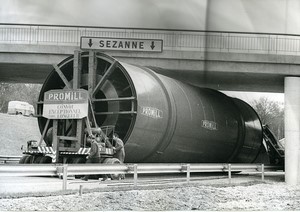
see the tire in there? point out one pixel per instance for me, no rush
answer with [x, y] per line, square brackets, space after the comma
[37, 159]
[29, 159]
[75, 160]
[46, 159]
[23, 159]
[114, 161]
[78, 160]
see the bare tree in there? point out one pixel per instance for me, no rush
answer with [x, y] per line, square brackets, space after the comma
[270, 113]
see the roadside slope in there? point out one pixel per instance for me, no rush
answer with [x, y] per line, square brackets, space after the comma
[15, 131]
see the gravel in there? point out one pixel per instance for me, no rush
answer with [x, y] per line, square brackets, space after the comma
[253, 196]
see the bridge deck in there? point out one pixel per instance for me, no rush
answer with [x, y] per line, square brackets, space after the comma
[221, 60]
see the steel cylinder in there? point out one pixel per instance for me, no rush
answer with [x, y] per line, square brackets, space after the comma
[167, 120]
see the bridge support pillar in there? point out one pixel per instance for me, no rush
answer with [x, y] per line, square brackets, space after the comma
[292, 129]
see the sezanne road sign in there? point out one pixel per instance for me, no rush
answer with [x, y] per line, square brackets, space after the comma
[121, 44]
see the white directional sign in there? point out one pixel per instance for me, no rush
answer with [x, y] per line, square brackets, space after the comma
[65, 104]
[121, 44]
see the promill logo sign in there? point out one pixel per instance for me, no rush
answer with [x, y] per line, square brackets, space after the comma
[210, 125]
[152, 112]
[65, 104]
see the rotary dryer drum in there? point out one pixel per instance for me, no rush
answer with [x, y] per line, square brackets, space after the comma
[161, 119]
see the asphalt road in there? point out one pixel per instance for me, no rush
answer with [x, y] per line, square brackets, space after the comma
[9, 185]
[17, 185]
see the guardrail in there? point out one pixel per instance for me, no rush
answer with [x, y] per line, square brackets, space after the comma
[66, 170]
[196, 40]
[9, 159]
[18, 170]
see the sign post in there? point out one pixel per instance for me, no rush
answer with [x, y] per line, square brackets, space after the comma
[121, 44]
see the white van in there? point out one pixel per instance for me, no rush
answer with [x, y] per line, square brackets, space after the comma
[19, 107]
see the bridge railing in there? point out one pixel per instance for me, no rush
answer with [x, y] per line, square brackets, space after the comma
[215, 41]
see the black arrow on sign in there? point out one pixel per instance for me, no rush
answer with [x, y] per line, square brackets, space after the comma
[152, 45]
[90, 42]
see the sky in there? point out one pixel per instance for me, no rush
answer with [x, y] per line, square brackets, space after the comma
[247, 15]
[274, 16]
[277, 16]
[251, 96]
[187, 14]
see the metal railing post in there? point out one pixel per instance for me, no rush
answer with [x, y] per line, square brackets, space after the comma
[229, 173]
[188, 173]
[80, 190]
[262, 172]
[65, 176]
[37, 34]
[30, 34]
[228, 42]
[135, 176]
[269, 44]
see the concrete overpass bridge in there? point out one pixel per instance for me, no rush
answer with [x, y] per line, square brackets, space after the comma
[220, 60]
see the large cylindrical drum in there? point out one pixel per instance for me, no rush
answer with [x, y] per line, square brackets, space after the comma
[161, 119]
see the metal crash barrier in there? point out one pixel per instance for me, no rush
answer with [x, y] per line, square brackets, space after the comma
[19, 170]
[65, 170]
[9, 159]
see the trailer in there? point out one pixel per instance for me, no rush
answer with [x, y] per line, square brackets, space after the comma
[20, 108]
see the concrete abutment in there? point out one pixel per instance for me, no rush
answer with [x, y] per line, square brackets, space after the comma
[292, 130]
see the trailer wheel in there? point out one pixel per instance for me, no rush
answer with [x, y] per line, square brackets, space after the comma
[46, 159]
[78, 160]
[29, 160]
[23, 159]
[114, 161]
[37, 159]
[74, 160]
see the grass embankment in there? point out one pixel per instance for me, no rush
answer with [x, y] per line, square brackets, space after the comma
[15, 131]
